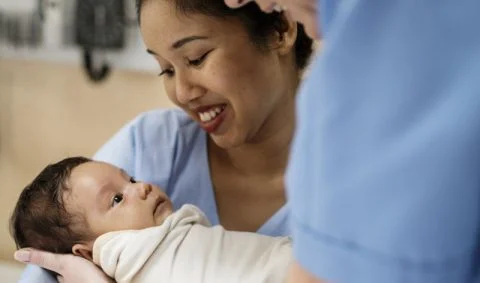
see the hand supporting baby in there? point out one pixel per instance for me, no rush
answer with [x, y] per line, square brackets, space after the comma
[70, 268]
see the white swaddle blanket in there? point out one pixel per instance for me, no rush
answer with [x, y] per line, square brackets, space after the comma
[186, 249]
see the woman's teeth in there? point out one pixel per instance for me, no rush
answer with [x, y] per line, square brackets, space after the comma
[210, 115]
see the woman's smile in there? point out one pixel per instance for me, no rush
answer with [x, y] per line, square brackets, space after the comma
[211, 117]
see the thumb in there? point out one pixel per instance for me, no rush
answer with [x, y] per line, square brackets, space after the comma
[23, 255]
[43, 259]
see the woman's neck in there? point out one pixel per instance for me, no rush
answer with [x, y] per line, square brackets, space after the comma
[268, 153]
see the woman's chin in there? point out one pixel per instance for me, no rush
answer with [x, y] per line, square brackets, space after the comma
[226, 140]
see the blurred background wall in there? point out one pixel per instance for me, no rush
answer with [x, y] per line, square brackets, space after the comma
[49, 106]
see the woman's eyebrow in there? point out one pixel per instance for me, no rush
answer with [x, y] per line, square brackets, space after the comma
[185, 40]
[181, 42]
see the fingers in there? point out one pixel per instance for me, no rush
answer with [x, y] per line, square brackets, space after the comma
[236, 3]
[308, 15]
[22, 255]
[43, 259]
[311, 28]
[309, 20]
[304, 11]
[268, 6]
[265, 5]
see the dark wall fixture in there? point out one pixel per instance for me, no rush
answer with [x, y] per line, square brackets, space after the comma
[99, 27]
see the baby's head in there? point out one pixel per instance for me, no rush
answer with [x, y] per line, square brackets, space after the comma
[72, 202]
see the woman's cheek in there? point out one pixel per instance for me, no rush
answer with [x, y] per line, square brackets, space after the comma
[169, 86]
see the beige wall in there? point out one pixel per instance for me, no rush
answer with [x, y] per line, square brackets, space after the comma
[49, 111]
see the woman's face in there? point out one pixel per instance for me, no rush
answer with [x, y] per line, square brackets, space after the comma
[214, 72]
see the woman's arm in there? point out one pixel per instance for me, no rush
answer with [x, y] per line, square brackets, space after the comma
[383, 179]
[296, 274]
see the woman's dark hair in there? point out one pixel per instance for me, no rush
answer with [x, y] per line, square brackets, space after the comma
[40, 219]
[260, 26]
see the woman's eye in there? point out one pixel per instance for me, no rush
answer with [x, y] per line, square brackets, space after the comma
[132, 180]
[117, 199]
[197, 62]
[168, 72]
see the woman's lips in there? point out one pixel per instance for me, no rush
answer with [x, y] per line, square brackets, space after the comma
[212, 118]
[207, 113]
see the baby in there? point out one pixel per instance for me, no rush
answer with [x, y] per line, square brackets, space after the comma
[128, 228]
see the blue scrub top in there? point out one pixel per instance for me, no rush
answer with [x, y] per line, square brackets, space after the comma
[384, 175]
[168, 149]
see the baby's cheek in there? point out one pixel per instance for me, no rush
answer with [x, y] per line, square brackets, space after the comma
[140, 222]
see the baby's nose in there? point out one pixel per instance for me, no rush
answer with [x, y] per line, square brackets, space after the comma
[148, 188]
[144, 189]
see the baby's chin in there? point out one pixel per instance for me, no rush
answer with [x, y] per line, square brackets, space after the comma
[164, 214]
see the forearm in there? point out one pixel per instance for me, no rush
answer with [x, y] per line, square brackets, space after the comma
[296, 274]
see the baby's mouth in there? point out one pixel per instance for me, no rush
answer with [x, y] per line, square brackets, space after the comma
[158, 205]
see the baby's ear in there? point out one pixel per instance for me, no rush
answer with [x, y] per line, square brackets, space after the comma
[83, 250]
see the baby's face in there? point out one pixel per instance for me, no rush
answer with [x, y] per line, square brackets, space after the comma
[110, 200]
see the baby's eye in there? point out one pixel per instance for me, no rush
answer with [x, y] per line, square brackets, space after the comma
[132, 180]
[117, 199]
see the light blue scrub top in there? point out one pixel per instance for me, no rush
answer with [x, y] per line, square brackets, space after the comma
[167, 148]
[384, 175]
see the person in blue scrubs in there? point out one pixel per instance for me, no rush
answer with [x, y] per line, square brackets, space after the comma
[234, 76]
[384, 175]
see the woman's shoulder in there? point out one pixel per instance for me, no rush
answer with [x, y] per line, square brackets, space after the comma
[170, 120]
[152, 136]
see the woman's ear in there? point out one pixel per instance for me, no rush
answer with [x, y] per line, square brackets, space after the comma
[286, 35]
[83, 250]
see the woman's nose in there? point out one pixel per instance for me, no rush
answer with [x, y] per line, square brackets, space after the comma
[186, 90]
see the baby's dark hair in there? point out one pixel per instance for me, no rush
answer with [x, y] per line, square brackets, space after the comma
[40, 219]
[260, 26]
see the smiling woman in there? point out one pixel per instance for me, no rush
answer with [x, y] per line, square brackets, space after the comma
[234, 76]
[229, 62]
